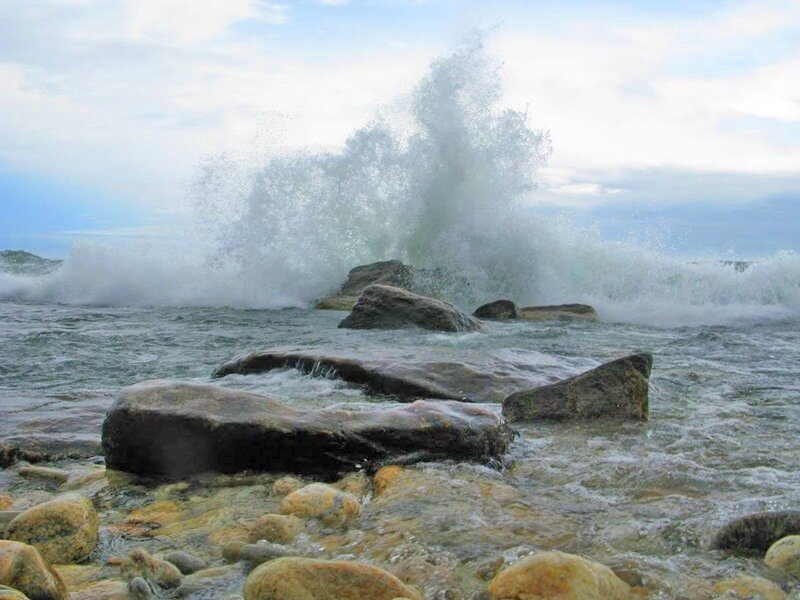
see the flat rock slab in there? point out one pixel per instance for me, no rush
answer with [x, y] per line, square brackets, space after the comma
[558, 311]
[616, 390]
[389, 307]
[171, 429]
[417, 372]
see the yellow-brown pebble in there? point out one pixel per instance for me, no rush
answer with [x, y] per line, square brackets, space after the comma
[6, 501]
[322, 501]
[286, 485]
[557, 576]
[138, 563]
[301, 578]
[384, 478]
[275, 528]
[23, 568]
[64, 529]
[784, 555]
[7, 593]
[752, 588]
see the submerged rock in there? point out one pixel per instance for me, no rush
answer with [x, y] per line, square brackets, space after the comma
[275, 528]
[24, 569]
[164, 428]
[64, 530]
[7, 593]
[390, 272]
[757, 531]
[558, 311]
[139, 564]
[784, 556]
[745, 587]
[388, 307]
[324, 502]
[557, 576]
[497, 310]
[618, 389]
[302, 578]
[185, 562]
[411, 373]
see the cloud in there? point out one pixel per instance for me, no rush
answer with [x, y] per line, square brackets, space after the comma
[130, 95]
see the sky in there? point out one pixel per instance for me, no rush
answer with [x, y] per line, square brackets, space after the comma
[676, 120]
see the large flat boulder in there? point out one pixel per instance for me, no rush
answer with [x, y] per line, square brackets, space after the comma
[388, 307]
[416, 372]
[170, 429]
[617, 390]
[558, 311]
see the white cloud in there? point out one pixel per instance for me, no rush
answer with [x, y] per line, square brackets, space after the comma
[129, 95]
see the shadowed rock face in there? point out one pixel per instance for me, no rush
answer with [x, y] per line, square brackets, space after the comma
[757, 531]
[616, 390]
[390, 272]
[171, 429]
[419, 372]
[558, 311]
[497, 310]
[387, 307]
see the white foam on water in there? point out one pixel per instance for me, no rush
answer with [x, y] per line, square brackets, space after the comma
[445, 187]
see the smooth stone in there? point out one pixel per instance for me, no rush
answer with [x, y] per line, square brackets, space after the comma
[58, 476]
[303, 579]
[418, 373]
[751, 588]
[784, 555]
[139, 589]
[139, 563]
[557, 576]
[259, 553]
[23, 568]
[201, 583]
[64, 529]
[324, 502]
[614, 390]
[6, 502]
[498, 310]
[173, 429]
[391, 272]
[287, 485]
[275, 528]
[388, 307]
[106, 589]
[7, 593]
[558, 311]
[757, 531]
[186, 563]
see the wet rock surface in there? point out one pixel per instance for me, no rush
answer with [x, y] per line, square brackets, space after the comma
[558, 311]
[614, 390]
[24, 569]
[498, 310]
[169, 429]
[387, 307]
[422, 373]
[390, 272]
[300, 578]
[757, 531]
[63, 530]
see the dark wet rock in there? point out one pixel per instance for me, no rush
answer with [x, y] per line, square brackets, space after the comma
[757, 531]
[497, 310]
[256, 554]
[186, 563]
[617, 390]
[558, 311]
[413, 372]
[388, 307]
[390, 272]
[35, 449]
[170, 429]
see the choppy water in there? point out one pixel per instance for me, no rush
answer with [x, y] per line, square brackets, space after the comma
[722, 439]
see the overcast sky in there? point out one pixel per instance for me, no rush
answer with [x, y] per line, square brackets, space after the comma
[678, 116]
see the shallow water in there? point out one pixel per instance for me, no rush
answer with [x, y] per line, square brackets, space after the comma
[721, 440]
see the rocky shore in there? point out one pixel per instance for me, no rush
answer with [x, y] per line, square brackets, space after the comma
[207, 491]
